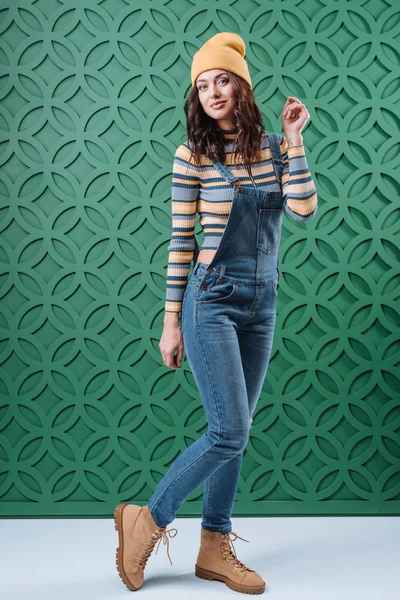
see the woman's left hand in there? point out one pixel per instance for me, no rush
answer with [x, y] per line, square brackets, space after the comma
[294, 116]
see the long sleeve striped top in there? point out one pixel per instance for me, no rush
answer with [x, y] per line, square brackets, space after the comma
[197, 189]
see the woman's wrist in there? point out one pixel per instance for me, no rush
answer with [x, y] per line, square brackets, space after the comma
[171, 317]
[294, 140]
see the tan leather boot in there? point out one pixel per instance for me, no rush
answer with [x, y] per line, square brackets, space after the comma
[137, 536]
[217, 561]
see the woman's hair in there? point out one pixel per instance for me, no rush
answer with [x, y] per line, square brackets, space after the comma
[204, 136]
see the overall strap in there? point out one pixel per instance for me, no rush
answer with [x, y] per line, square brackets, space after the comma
[277, 161]
[225, 172]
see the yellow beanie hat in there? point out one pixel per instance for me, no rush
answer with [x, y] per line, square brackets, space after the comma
[223, 51]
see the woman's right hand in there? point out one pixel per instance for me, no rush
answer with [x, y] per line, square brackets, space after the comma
[171, 340]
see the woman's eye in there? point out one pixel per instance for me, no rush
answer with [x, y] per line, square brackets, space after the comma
[223, 79]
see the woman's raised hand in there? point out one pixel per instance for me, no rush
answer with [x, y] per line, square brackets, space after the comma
[294, 116]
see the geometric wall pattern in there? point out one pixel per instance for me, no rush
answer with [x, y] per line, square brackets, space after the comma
[91, 114]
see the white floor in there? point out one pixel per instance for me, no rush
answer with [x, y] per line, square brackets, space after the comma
[300, 558]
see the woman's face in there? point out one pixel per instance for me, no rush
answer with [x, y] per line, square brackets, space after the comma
[215, 85]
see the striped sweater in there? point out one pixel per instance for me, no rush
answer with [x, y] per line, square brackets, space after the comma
[202, 190]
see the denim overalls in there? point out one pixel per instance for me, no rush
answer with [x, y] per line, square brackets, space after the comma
[228, 322]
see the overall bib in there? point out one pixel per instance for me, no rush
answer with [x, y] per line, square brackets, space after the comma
[228, 322]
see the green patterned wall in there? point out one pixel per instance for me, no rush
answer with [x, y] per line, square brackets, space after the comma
[91, 113]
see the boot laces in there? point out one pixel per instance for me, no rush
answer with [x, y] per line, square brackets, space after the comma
[227, 551]
[159, 534]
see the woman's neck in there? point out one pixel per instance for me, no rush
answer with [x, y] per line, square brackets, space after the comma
[229, 134]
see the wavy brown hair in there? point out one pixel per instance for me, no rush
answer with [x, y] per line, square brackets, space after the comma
[204, 136]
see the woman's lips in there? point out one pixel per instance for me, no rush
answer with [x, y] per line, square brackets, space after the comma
[219, 105]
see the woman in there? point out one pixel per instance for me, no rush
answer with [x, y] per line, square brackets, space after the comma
[240, 180]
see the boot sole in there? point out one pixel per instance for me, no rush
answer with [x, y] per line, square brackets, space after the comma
[120, 549]
[210, 575]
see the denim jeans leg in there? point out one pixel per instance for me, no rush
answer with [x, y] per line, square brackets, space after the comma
[219, 495]
[255, 342]
[220, 488]
[215, 361]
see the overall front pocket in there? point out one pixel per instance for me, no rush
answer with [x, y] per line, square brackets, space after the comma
[213, 290]
[269, 229]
